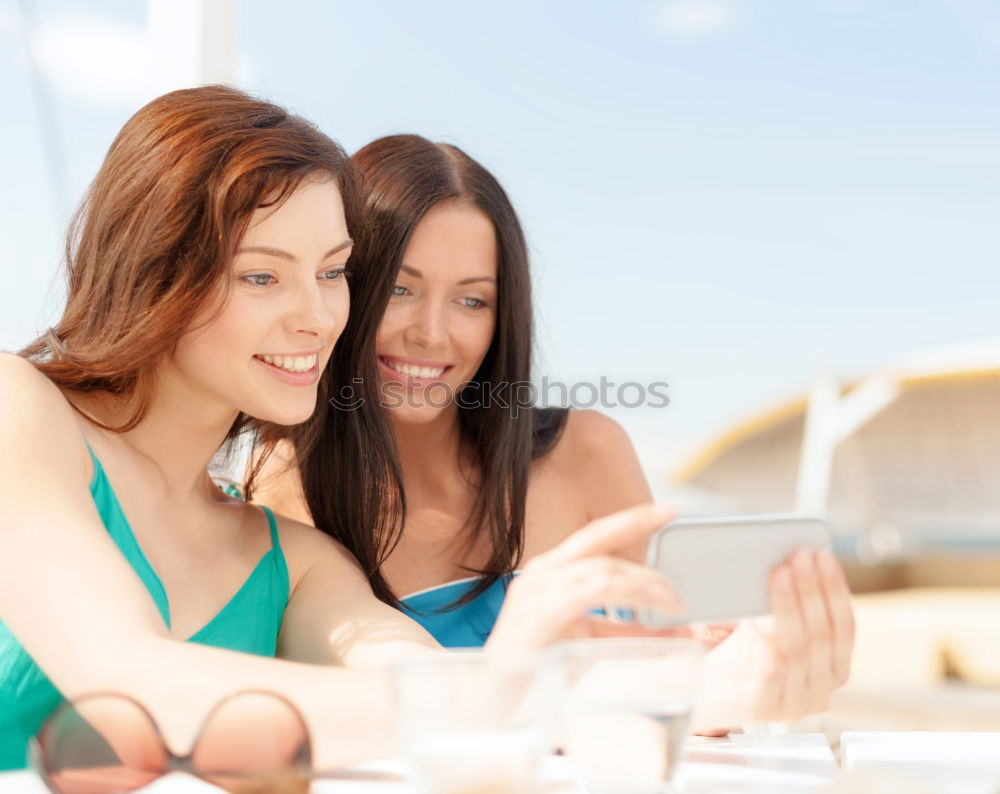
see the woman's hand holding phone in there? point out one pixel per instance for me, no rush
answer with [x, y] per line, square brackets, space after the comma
[780, 667]
[774, 668]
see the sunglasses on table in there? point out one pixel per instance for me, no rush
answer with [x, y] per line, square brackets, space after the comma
[110, 744]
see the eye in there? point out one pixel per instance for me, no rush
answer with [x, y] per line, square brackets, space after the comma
[258, 279]
[398, 290]
[473, 303]
[335, 274]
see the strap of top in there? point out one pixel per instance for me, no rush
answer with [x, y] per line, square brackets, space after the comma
[272, 524]
[267, 597]
[95, 461]
[117, 525]
[279, 560]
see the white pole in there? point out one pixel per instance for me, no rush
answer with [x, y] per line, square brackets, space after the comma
[866, 401]
[193, 41]
[218, 41]
[819, 444]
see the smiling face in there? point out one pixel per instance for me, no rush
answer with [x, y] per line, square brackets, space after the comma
[441, 316]
[263, 353]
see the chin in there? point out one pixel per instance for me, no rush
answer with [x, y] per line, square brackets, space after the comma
[419, 406]
[285, 415]
[410, 415]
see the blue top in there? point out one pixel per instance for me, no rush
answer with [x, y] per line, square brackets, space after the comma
[249, 622]
[465, 627]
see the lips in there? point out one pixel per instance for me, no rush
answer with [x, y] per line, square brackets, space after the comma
[414, 371]
[291, 363]
[287, 370]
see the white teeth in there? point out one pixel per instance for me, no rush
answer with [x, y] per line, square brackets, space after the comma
[416, 372]
[292, 363]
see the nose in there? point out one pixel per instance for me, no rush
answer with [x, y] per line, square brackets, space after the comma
[427, 328]
[309, 313]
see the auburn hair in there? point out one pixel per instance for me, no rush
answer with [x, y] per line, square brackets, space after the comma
[404, 176]
[150, 244]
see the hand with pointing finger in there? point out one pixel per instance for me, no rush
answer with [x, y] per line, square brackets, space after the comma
[554, 596]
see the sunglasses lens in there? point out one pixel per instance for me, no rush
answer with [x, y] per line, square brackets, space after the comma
[100, 745]
[254, 742]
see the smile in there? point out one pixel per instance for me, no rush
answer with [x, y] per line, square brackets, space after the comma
[291, 363]
[413, 370]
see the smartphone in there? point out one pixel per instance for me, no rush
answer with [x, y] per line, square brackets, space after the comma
[721, 567]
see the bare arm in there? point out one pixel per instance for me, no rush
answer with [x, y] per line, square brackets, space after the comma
[333, 616]
[78, 608]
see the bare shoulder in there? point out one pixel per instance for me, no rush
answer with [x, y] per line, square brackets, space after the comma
[306, 547]
[594, 427]
[20, 373]
[37, 422]
[598, 469]
[27, 389]
[591, 443]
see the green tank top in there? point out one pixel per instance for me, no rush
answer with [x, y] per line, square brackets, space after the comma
[249, 622]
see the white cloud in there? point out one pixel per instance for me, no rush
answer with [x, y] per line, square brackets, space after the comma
[693, 17]
[97, 60]
[108, 62]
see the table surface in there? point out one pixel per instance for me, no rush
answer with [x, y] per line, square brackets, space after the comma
[732, 765]
[959, 762]
[942, 762]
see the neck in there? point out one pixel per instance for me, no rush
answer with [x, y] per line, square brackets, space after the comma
[180, 433]
[431, 455]
[442, 484]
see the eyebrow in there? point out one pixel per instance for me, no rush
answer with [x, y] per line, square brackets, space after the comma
[282, 254]
[417, 274]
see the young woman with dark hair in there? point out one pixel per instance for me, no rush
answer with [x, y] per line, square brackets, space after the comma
[476, 486]
[206, 292]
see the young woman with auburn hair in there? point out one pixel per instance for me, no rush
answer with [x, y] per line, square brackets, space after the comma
[206, 291]
[478, 485]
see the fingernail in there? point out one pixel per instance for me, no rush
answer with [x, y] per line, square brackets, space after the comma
[804, 565]
[783, 579]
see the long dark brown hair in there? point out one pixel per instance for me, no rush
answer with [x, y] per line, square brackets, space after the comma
[404, 176]
[152, 241]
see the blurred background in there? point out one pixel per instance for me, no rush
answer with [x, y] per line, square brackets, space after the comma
[787, 210]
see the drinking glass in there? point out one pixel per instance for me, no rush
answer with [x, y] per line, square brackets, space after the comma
[625, 708]
[475, 722]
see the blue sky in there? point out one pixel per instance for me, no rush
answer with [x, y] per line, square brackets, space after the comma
[729, 195]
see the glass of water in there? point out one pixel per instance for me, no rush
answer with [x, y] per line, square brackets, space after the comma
[475, 722]
[624, 710]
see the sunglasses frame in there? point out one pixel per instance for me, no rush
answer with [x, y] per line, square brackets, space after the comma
[302, 763]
